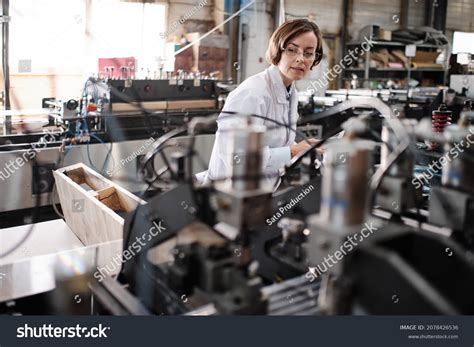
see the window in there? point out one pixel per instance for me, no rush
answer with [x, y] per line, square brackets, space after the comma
[55, 44]
[463, 42]
[47, 33]
[128, 29]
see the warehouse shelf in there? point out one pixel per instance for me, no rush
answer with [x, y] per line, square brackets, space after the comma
[359, 69]
[393, 43]
[438, 75]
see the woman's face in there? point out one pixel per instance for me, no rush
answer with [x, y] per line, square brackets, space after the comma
[295, 60]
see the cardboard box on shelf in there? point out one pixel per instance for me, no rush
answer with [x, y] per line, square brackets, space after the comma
[424, 59]
[385, 35]
[210, 54]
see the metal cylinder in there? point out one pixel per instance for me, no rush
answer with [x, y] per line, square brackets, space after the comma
[245, 157]
[178, 165]
[458, 162]
[345, 182]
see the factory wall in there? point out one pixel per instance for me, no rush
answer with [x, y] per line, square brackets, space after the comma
[372, 11]
[258, 22]
[26, 91]
[329, 17]
[386, 14]
[460, 15]
[218, 13]
[198, 15]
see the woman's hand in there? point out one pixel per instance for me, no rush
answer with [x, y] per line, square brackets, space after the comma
[304, 145]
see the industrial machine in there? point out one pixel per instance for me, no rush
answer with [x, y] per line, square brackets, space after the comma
[114, 118]
[349, 232]
[211, 261]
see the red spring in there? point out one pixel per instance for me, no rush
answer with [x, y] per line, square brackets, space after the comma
[439, 121]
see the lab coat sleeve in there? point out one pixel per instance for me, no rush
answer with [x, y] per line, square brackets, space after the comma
[248, 101]
[275, 158]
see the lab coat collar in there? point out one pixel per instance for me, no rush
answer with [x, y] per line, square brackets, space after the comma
[278, 86]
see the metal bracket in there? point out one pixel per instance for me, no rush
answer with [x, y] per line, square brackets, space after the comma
[5, 19]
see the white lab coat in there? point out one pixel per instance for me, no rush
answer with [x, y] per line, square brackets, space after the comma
[263, 94]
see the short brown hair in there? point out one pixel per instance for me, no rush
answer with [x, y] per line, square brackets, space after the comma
[286, 32]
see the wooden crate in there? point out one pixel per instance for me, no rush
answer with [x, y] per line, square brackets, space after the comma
[92, 205]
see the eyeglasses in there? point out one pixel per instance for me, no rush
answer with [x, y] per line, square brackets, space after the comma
[292, 51]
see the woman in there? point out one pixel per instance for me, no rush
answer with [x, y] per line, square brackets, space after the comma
[294, 49]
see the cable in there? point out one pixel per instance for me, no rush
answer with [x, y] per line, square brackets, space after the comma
[122, 96]
[377, 177]
[243, 177]
[400, 133]
[125, 98]
[106, 157]
[52, 199]
[109, 155]
[190, 157]
[168, 165]
[157, 148]
[159, 144]
[377, 137]
[36, 208]
[403, 146]
[166, 168]
[296, 131]
[132, 219]
[417, 203]
[33, 221]
[417, 208]
[232, 114]
[236, 114]
[301, 155]
[89, 157]
[108, 152]
[53, 202]
[34, 163]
